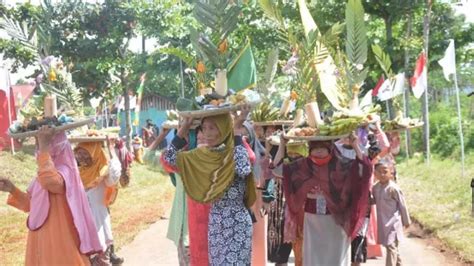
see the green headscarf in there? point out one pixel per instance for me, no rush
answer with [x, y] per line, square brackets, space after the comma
[298, 148]
[207, 172]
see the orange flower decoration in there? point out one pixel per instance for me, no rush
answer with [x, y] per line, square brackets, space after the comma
[223, 47]
[293, 96]
[200, 67]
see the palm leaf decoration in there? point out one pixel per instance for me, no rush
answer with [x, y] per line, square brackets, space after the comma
[19, 32]
[69, 97]
[383, 59]
[270, 71]
[324, 63]
[220, 18]
[356, 40]
[356, 49]
[331, 37]
[272, 10]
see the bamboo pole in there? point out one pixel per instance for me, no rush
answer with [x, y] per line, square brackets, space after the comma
[426, 116]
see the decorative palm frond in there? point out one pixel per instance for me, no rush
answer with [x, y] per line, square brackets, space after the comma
[69, 98]
[356, 48]
[19, 32]
[210, 50]
[220, 17]
[331, 37]
[383, 59]
[272, 11]
[356, 40]
[272, 66]
[323, 62]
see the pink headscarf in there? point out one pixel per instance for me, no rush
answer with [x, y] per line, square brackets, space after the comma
[65, 163]
[125, 157]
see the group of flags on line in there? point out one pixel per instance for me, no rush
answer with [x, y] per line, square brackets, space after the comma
[388, 88]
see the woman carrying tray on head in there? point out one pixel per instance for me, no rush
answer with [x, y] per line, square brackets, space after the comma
[60, 223]
[294, 151]
[332, 192]
[221, 174]
[100, 176]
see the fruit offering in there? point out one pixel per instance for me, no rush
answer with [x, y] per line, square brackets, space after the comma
[34, 123]
[265, 112]
[400, 123]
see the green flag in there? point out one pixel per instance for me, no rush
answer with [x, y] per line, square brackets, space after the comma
[242, 72]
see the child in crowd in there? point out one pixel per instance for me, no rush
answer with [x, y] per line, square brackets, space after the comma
[392, 213]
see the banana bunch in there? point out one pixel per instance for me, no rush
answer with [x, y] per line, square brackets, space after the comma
[237, 99]
[265, 112]
[34, 108]
[171, 115]
[340, 126]
[388, 125]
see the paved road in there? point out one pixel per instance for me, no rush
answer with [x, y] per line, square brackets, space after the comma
[151, 247]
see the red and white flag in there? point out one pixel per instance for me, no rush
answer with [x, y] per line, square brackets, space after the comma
[375, 91]
[419, 81]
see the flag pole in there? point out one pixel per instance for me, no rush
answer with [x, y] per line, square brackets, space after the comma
[461, 137]
[407, 132]
[9, 95]
[426, 114]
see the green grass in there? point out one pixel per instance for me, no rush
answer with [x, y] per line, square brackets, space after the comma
[137, 206]
[440, 199]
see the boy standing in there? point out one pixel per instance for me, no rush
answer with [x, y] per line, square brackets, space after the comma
[392, 213]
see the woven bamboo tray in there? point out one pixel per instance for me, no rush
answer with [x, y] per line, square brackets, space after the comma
[69, 126]
[214, 111]
[274, 123]
[316, 138]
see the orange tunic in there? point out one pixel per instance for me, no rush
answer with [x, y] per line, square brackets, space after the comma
[57, 241]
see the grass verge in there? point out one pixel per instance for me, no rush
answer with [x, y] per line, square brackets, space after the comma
[440, 200]
[142, 203]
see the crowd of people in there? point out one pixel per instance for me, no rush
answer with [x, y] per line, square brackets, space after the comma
[240, 199]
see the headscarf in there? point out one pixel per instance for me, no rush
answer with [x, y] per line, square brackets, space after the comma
[345, 185]
[260, 168]
[207, 172]
[89, 174]
[320, 144]
[298, 148]
[65, 163]
[125, 157]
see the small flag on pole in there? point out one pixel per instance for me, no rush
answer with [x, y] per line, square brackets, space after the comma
[242, 72]
[419, 81]
[136, 121]
[448, 62]
[391, 87]
[375, 91]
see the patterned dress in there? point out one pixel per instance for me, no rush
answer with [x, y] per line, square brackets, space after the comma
[230, 224]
